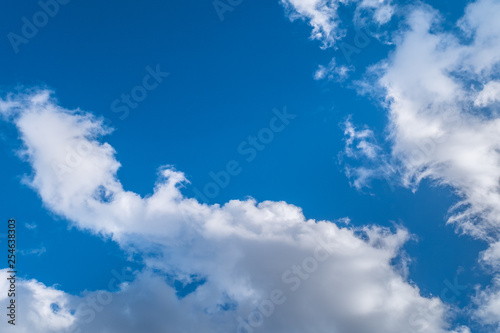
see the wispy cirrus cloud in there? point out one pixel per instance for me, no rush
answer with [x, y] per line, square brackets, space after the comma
[323, 16]
[333, 71]
[362, 148]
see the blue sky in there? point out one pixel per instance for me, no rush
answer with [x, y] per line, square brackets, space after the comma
[227, 79]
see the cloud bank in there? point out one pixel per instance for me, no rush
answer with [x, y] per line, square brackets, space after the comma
[251, 266]
[441, 91]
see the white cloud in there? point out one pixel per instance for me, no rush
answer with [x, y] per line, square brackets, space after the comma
[333, 280]
[30, 226]
[489, 94]
[323, 15]
[435, 131]
[491, 256]
[36, 252]
[488, 302]
[381, 10]
[33, 307]
[360, 142]
[333, 71]
[361, 147]
[440, 89]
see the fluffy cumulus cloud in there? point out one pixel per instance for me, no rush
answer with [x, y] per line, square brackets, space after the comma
[38, 305]
[444, 119]
[489, 94]
[442, 91]
[323, 17]
[252, 266]
[489, 304]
